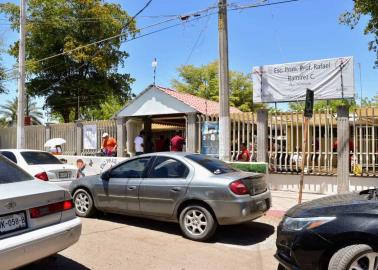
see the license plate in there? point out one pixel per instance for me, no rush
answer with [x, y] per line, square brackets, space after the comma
[64, 175]
[261, 205]
[13, 222]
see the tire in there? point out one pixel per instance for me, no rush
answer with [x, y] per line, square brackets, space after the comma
[347, 257]
[197, 223]
[83, 201]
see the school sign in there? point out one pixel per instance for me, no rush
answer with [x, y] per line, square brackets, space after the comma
[328, 78]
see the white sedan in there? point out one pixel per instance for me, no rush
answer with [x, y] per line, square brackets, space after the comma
[37, 219]
[42, 165]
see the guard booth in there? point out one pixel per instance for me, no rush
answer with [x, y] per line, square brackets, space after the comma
[162, 111]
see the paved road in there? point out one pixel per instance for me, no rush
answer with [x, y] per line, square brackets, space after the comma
[118, 242]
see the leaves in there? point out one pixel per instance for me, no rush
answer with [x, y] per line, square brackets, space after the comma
[9, 111]
[203, 81]
[367, 8]
[88, 74]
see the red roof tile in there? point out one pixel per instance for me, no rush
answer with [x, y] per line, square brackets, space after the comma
[197, 103]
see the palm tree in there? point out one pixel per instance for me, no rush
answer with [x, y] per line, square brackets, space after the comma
[9, 111]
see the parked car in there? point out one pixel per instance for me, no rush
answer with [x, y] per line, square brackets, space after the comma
[42, 165]
[37, 219]
[338, 232]
[195, 190]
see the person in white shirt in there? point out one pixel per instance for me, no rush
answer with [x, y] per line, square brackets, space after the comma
[139, 143]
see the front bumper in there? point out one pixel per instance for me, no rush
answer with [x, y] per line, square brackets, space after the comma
[25, 248]
[242, 209]
[300, 250]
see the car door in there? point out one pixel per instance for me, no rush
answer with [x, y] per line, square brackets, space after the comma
[164, 186]
[119, 193]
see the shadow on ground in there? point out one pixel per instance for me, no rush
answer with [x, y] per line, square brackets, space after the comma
[245, 234]
[56, 262]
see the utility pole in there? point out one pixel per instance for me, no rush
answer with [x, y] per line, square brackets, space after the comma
[224, 110]
[21, 80]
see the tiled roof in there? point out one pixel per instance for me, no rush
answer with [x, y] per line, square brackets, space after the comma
[202, 105]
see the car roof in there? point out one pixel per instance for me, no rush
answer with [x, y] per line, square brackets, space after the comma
[170, 154]
[21, 150]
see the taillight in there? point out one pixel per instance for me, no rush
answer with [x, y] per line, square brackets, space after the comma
[42, 176]
[50, 209]
[239, 188]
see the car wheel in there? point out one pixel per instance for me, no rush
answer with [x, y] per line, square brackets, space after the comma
[355, 257]
[84, 206]
[197, 223]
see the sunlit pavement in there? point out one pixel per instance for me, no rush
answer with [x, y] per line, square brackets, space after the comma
[120, 242]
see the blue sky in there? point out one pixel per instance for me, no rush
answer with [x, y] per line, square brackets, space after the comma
[304, 30]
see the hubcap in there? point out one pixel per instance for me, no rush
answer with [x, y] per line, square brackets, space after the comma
[368, 261]
[82, 202]
[195, 222]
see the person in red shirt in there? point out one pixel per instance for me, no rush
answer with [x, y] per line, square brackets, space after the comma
[177, 142]
[244, 155]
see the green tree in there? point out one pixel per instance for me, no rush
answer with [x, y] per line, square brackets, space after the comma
[364, 8]
[322, 105]
[3, 122]
[9, 111]
[203, 81]
[105, 111]
[88, 74]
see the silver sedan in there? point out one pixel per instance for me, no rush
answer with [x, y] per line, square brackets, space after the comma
[37, 219]
[197, 191]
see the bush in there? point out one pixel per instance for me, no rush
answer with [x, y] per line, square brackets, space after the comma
[250, 167]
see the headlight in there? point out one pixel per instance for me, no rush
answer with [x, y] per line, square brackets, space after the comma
[298, 224]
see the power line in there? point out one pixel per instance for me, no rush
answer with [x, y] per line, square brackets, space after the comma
[184, 18]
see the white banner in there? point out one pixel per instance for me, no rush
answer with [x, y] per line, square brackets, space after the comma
[329, 79]
[90, 137]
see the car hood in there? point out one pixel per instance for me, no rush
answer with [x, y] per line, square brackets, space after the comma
[334, 205]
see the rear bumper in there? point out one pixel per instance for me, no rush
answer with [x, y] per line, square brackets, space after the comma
[243, 209]
[32, 246]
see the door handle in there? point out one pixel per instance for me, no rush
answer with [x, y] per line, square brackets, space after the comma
[131, 187]
[176, 189]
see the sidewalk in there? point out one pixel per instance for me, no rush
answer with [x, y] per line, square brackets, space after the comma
[284, 200]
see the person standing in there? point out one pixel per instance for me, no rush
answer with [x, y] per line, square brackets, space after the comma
[244, 155]
[139, 143]
[177, 142]
[109, 145]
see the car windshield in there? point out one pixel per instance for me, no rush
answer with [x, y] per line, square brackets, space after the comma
[37, 158]
[214, 165]
[10, 173]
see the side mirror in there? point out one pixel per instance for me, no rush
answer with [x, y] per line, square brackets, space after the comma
[105, 175]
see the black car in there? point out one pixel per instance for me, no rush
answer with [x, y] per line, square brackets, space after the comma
[337, 232]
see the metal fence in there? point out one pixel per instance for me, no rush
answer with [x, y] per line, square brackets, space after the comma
[285, 136]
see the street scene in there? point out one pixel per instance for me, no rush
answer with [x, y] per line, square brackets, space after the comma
[189, 134]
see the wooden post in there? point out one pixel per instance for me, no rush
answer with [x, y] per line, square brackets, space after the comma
[304, 152]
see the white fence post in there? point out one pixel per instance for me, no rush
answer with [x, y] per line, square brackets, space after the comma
[342, 149]
[262, 135]
[121, 137]
[79, 138]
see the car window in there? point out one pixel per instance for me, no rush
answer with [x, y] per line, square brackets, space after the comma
[131, 169]
[9, 155]
[166, 167]
[36, 158]
[10, 172]
[214, 165]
